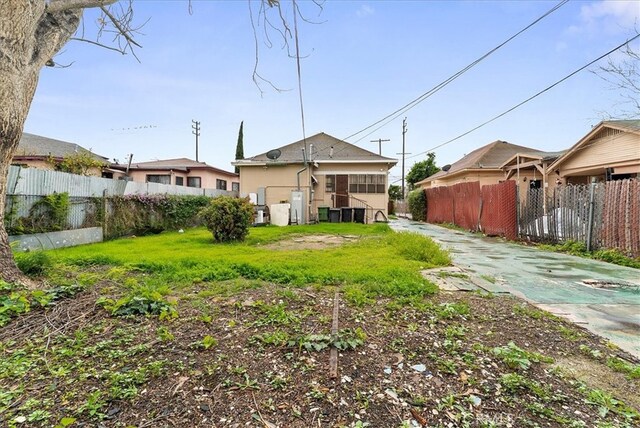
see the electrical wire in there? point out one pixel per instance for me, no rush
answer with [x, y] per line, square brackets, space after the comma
[394, 115]
[528, 99]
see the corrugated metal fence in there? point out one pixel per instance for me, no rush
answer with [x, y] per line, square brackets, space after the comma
[27, 187]
[491, 209]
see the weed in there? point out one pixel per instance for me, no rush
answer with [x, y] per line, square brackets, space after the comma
[33, 263]
[275, 338]
[606, 403]
[588, 351]
[275, 314]
[618, 364]
[208, 342]
[531, 312]
[445, 274]
[164, 334]
[517, 358]
[569, 333]
[451, 310]
[489, 278]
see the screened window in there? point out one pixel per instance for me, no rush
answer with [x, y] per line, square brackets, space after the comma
[330, 183]
[235, 187]
[179, 181]
[162, 179]
[194, 182]
[367, 183]
[221, 184]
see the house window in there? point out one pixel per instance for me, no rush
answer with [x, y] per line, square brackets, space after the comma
[194, 182]
[179, 181]
[161, 179]
[235, 187]
[221, 184]
[330, 183]
[367, 183]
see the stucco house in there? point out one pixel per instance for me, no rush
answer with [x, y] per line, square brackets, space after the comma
[35, 151]
[493, 163]
[328, 171]
[610, 151]
[179, 172]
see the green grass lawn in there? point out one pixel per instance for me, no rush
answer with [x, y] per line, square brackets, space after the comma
[376, 261]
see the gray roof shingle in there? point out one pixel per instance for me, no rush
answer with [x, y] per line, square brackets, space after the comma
[36, 145]
[322, 151]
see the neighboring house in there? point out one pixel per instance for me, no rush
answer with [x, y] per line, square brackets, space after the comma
[35, 151]
[494, 163]
[610, 151]
[329, 172]
[179, 172]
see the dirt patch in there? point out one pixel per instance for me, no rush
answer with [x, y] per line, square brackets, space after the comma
[591, 373]
[312, 242]
[256, 358]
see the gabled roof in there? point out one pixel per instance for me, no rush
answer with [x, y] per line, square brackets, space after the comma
[536, 154]
[491, 156]
[632, 126]
[322, 148]
[32, 145]
[179, 164]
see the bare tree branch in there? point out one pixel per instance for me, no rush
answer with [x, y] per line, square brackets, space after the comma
[623, 76]
[124, 31]
[61, 5]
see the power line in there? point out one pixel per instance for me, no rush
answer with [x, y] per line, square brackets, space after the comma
[528, 99]
[450, 79]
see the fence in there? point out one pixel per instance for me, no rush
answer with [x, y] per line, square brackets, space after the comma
[43, 201]
[600, 215]
[490, 208]
[39, 182]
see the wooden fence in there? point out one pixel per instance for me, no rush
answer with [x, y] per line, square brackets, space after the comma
[600, 215]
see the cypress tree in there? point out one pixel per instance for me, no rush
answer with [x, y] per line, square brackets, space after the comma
[240, 146]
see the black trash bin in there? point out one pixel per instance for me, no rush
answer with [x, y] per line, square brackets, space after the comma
[347, 214]
[334, 215]
[358, 215]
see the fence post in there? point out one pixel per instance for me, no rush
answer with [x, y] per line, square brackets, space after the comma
[518, 208]
[591, 207]
[104, 214]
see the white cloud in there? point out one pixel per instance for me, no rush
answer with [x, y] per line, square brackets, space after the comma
[610, 16]
[365, 10]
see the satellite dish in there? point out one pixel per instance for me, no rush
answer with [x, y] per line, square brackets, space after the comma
[444, 168]
[274, 154]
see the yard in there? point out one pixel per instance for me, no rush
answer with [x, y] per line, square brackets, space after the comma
[172, 330]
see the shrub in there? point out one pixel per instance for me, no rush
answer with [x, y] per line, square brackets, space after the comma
[417, 204]
[228, 218]
[144, 214]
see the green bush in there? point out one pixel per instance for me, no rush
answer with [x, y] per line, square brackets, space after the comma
[417, 204]
[228, 218]
[147, 214]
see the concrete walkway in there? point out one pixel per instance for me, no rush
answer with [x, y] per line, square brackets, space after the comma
[602, 297]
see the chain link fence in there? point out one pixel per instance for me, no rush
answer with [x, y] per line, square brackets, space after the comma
[599, 215]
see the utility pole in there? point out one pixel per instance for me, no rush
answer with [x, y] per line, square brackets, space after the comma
[196, 132]
[380, 141]
[404, 131]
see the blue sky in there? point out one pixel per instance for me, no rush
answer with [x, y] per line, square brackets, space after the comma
[362, 61]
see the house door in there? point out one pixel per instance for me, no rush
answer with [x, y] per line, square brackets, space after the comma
[342, 191]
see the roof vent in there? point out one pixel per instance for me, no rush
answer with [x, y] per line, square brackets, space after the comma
[274, 154]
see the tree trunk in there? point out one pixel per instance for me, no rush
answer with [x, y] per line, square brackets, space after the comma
[30, 36]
